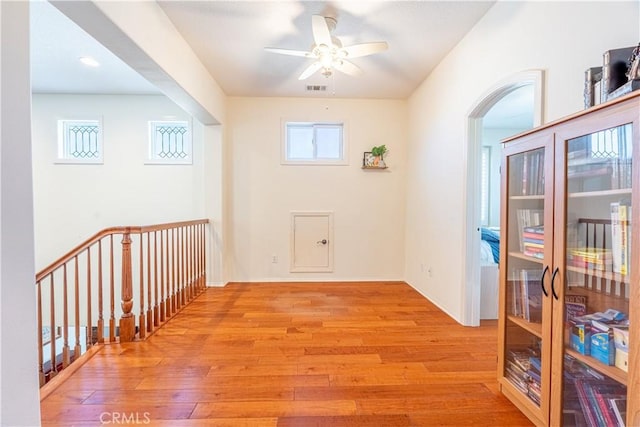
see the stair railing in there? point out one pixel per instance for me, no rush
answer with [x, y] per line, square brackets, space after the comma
[160, 267]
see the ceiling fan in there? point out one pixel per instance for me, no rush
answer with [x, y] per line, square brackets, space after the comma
[328, 51]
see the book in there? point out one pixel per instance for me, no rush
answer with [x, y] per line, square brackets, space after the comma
[537, 230]
[614, 69]
[626, 88]
[621, 337]
[620, 236]
[625, 238]
[528, 218]
[619, 408]
[531, 295]
[597, 92]
[591, 76]
[575, 306]
[529, 177]
[585, 404]
[590, 258]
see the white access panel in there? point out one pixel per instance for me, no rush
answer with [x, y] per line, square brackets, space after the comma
[311, 242]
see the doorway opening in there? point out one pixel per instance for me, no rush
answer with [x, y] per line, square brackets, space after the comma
[510, 107]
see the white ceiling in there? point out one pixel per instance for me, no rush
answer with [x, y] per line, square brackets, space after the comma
[229, 38]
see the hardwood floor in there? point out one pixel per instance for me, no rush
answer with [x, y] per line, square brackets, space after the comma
[294, 354]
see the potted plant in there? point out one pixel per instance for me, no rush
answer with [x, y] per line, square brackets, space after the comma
[378, 153]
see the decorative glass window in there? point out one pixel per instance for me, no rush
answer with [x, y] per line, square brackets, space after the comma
[79, 141]
[313, 143]
[169, 142]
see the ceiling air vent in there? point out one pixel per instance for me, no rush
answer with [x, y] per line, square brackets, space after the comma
[316, 88]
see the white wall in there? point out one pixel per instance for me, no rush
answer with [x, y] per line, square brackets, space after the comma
[19, 402]
[72, 202]
[214, 199]
[368, 205]
[563, 38]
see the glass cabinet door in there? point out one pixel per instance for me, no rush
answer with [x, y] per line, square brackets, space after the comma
[595, 299]
[527, 254]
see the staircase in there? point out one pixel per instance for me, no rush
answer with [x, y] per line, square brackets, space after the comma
[152, 271]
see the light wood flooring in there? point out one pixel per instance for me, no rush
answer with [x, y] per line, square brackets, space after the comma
[294, 354]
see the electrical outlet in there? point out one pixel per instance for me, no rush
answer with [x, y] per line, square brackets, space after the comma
[274, 259]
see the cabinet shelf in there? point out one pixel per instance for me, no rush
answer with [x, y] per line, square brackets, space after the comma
[603, 193]
[532, 197]
[610, 371]
[609, 275]
[531, 327]
[520, 255]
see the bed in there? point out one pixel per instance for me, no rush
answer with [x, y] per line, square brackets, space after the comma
[489, 259]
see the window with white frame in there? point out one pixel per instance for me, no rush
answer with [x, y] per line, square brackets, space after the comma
[485, 194]
[170, 142]
[79, 141]
[313, 143]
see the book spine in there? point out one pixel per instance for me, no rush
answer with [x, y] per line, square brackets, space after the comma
[624, 240]
[616, 243]
[591, 76]
[525, 171]
[604, 84]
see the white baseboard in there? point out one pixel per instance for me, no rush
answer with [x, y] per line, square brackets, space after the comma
[437, 304]
[316, 279]
[216, 285]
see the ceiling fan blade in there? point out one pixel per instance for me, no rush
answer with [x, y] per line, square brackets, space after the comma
[347, 68]
[310, 70]
[321, 34]
[290, 52]
[365, 49]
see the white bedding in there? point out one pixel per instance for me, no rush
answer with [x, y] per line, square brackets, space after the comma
[486, 255]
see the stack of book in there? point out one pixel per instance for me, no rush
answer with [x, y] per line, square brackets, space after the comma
[535, 387]
[529, 218]
[610, 80]
[533, 241]
[591, 258]
[523, 370]
[614, 69]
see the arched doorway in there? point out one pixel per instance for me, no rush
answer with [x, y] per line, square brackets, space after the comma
[533, 81]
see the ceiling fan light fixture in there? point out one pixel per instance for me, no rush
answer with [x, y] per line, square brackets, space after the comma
[326, 59]
[328, 51]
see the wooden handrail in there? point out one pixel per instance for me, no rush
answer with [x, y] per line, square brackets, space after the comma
[171, 272]
[75, 251]
[109, 231]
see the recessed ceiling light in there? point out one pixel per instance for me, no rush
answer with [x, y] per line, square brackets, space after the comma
[89, 61]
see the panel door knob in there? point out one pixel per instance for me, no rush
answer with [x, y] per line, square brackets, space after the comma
[323, 241]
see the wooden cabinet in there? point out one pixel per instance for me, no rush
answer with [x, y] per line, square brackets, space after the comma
[569, 268]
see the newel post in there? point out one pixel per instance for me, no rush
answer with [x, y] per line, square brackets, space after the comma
[127, 321]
